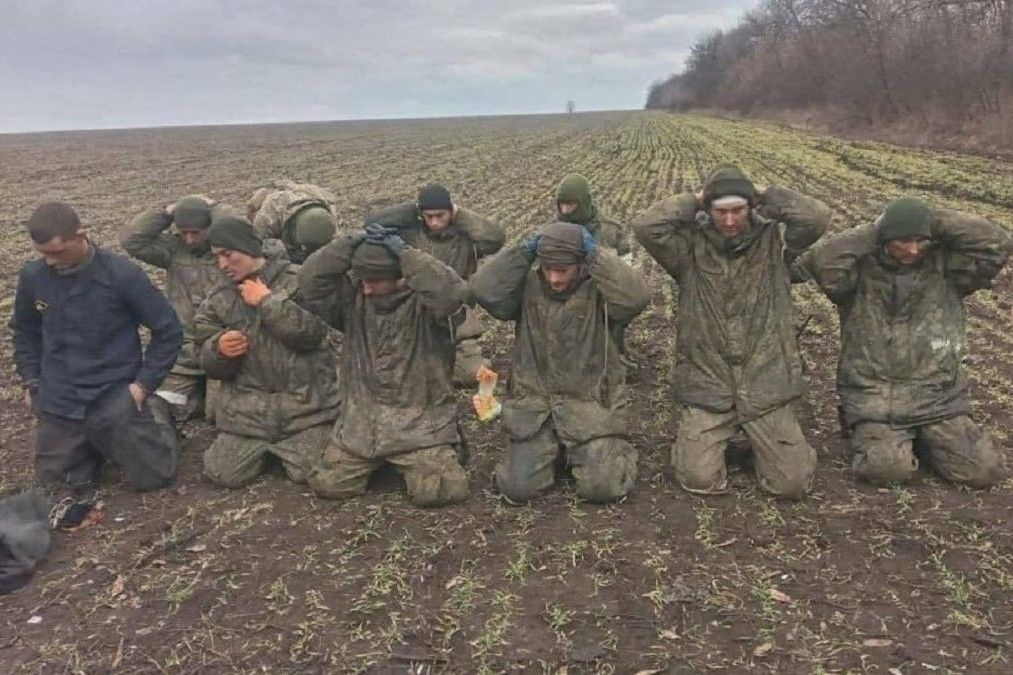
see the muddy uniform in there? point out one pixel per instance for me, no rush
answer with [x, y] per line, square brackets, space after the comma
[567, 393]
[737, 364]
[281, 397]
[191, 275]
[900, 380]
[274, 210]
[398, 401]
[77, 348]
[468, 238]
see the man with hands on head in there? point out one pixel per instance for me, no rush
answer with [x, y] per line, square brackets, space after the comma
[397, 307]
[77, 312]
[567, 397]
[279, 394]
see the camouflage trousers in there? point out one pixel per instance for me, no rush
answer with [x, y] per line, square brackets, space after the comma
[468, 350]
[234, 461]
[141, 443]
[784, 461]
[188, 395]
[955, 448]
[432, 476]
[604, 469]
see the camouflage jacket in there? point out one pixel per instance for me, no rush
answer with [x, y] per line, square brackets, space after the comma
[903, 327]
[191, 273]
[286, 382]
[468, 238]
[735, 346]
[610, 234]
[273, 209]
[398, 354]
[565, 363]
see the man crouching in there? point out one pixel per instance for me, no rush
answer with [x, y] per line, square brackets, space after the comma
[397, 313]
[567, 393]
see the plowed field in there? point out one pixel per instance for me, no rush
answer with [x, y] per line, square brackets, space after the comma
[269, 578]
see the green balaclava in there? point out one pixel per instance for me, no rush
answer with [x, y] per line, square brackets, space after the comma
[235, 234]
[374, 261]
[727, 180]
[192, 213]
[576, 188]
[560, 243]
[904, 218]
[313, 227]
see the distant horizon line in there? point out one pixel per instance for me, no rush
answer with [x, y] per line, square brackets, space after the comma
[213, 125]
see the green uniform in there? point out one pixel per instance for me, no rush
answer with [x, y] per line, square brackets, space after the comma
[567, 392]
[399, 405]
[281, 397]
[737, 364]
[468, 238]
[191, 275]
[272, 211]
[900, 378]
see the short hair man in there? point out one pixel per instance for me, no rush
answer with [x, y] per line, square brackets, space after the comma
[396, 306]
[567, 394]
[900, 286]
[737, 365]
[77, 312]
[279, 395]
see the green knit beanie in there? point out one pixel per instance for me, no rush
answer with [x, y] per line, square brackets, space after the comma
[904, 218]
[560, 243]
[235, 234]
[373, 261]
[313, 227]
[192, 213]
[728, 180]
[576, 188]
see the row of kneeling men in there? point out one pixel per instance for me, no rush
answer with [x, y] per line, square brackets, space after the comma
[348, 361]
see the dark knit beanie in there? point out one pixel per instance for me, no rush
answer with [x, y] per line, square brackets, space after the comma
[374, 261]
[904, 218]
[235, 234]
[728, 181]
[192, 213]
[560, 243]
[53, 219]
[433, 197]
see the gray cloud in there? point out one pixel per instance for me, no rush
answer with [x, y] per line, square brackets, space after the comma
[99, 63]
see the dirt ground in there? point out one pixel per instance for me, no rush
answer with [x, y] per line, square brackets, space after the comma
[270, 579]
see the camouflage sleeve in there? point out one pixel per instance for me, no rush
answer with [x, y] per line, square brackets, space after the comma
[498, 285]
[202, 334]
[977, 249]
[805, 219]
[487, 236]
[623, 287]
[438, 286]
[660, 230]
[324, 285]
[295, 327]
[834, 264]
[270, 218]
[145, 238]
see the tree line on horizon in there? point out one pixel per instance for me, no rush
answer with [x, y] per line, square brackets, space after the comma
[871, 61]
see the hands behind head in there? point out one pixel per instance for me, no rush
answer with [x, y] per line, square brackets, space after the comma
[531, 245]
[588, 242]
[232, 344]
[388, 237]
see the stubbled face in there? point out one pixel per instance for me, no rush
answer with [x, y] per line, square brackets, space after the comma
[567, 208]
[64, 254]
[236, 265]
[560, 278]
[437, 220]
[193, 237]
[378, 288]
[908, 251]
[731, 222]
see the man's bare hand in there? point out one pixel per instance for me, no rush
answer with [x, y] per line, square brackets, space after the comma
[254, 291]
[28, 400]
[138, 394]
[232, 344]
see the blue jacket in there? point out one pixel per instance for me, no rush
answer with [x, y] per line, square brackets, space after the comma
[75, 335]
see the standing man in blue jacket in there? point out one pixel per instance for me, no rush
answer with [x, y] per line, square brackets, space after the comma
[77, 350]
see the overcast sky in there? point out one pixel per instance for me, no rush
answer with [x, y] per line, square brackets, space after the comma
[71, 64]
